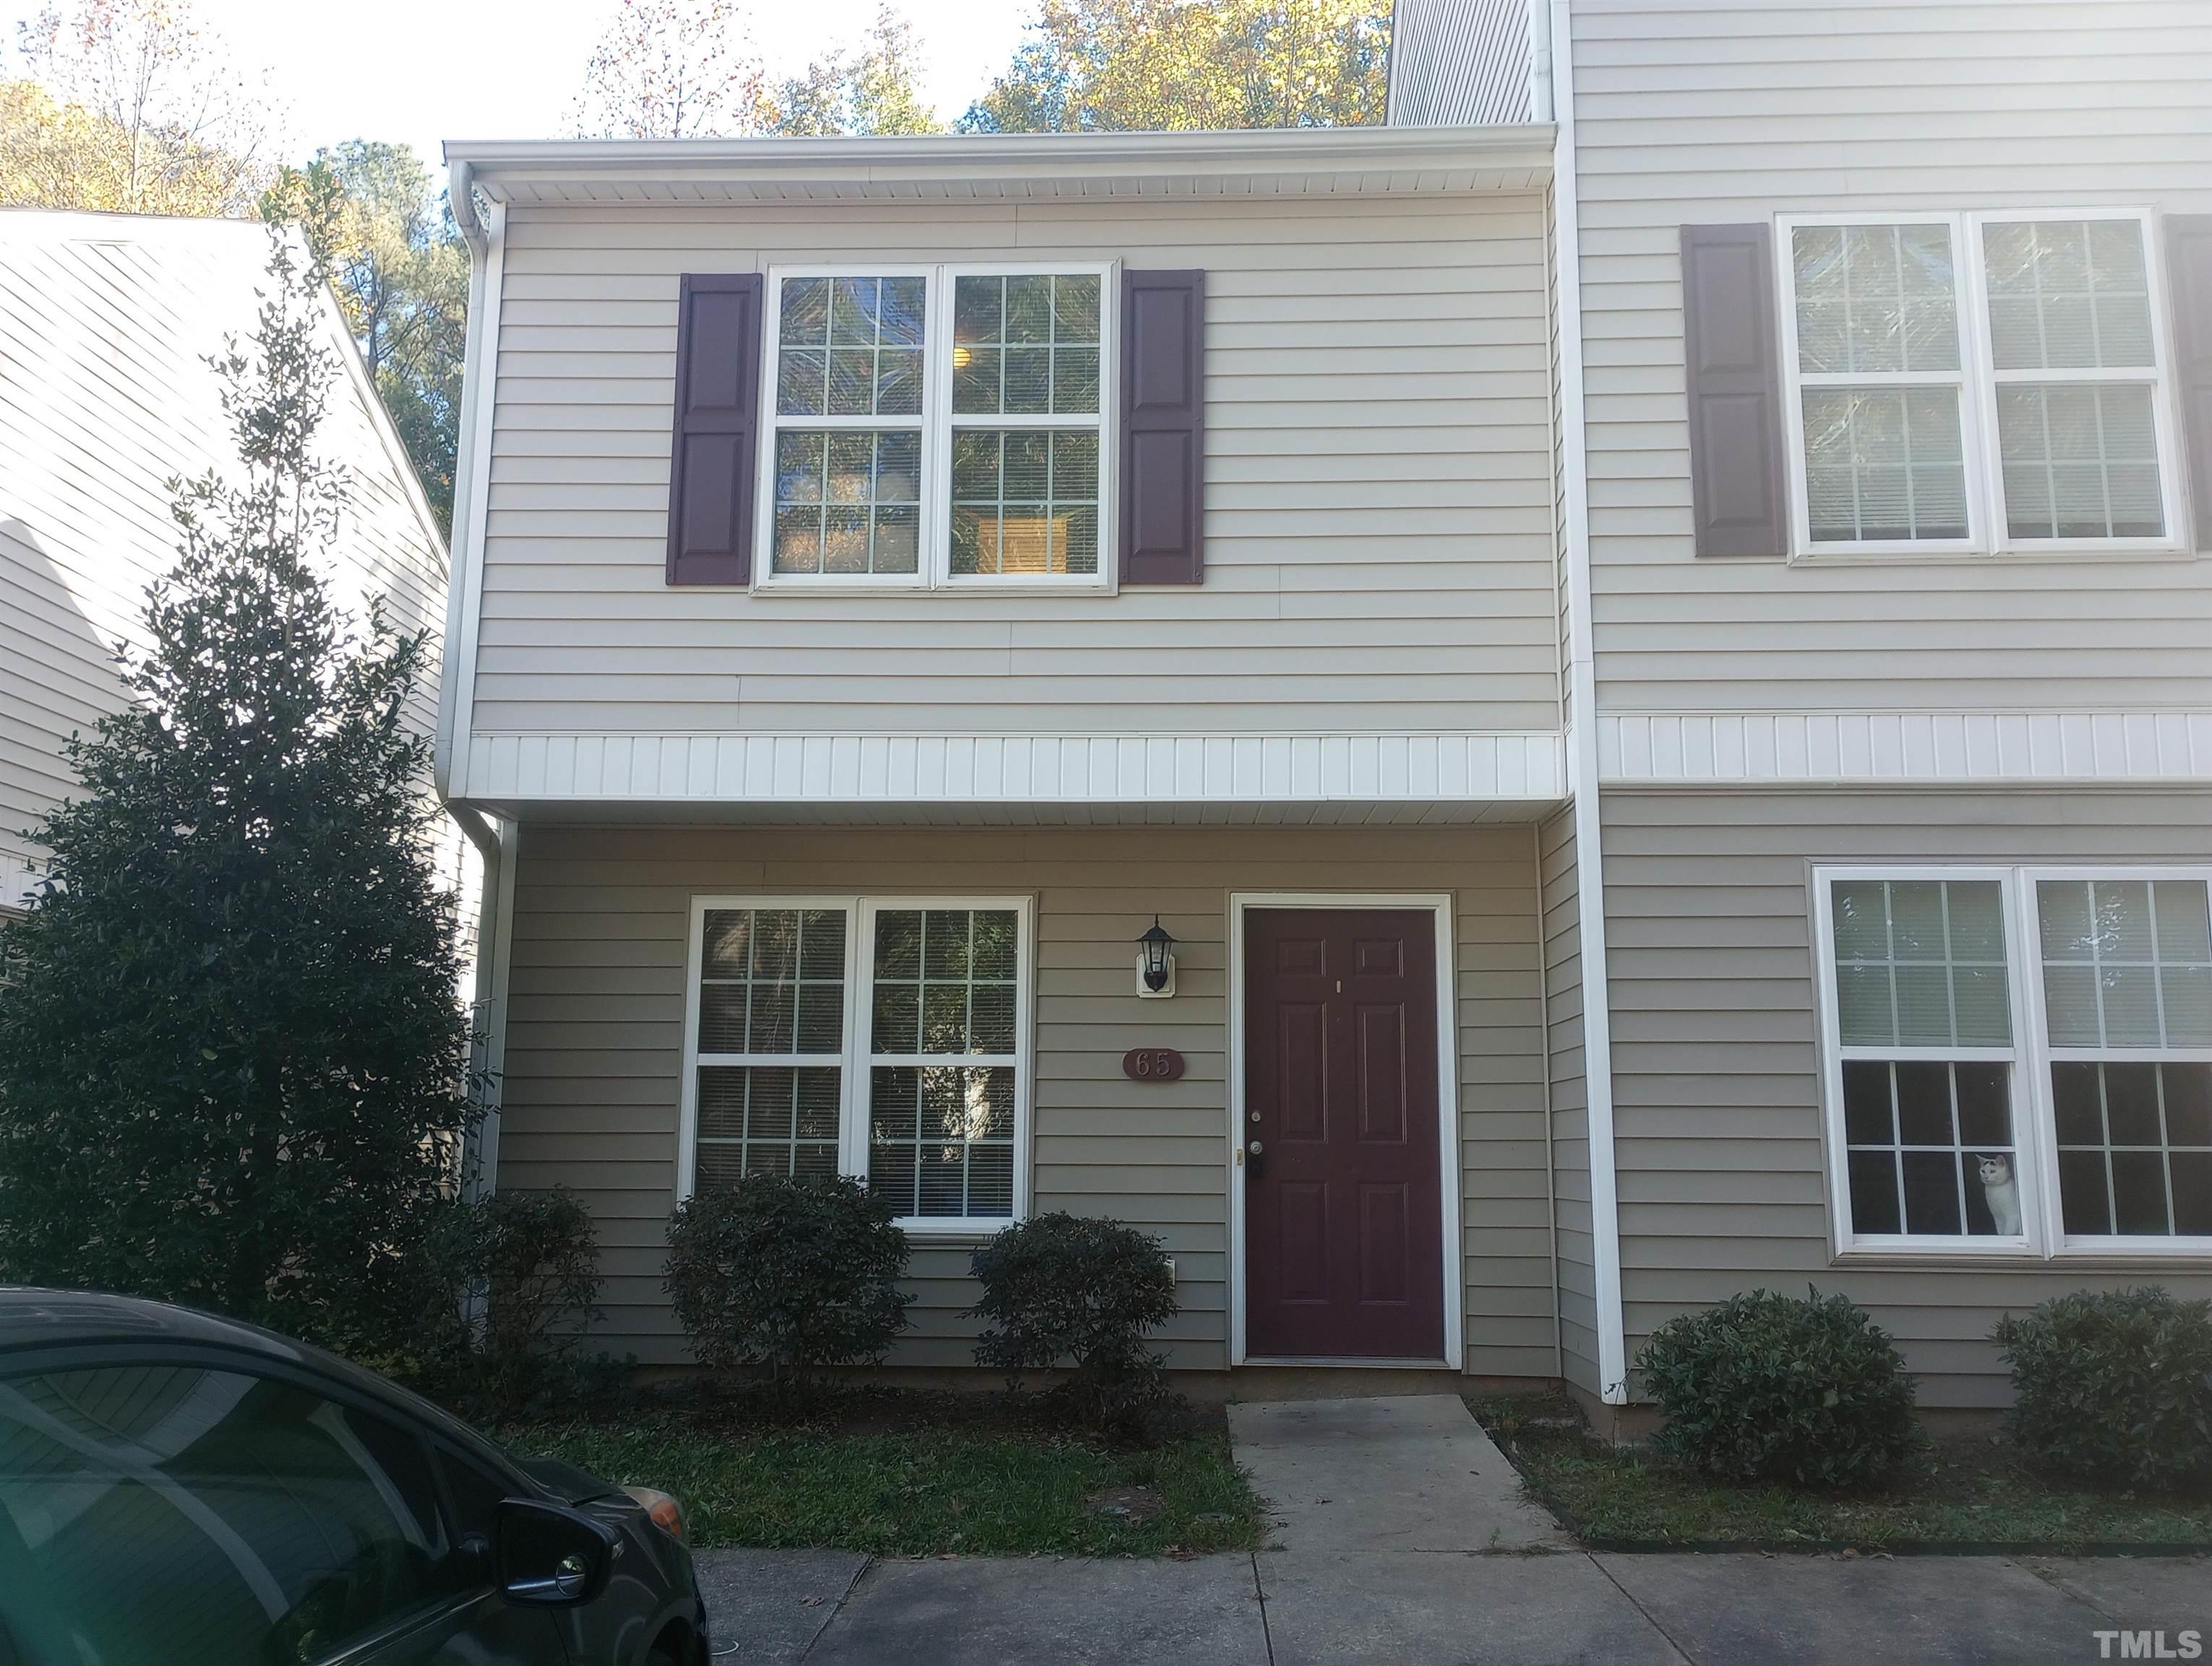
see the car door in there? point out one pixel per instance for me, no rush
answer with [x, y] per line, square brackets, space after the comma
[194, 1514]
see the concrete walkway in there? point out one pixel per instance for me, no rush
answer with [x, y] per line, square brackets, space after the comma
[1406, 1472]
[1399, 1535]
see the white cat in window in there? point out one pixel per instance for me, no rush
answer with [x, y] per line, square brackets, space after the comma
[2001, 1191]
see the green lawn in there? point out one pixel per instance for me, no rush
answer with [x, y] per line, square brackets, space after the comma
[906, 1492]
[1972, 1493]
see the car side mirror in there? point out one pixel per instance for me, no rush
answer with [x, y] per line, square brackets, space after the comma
[549, 1556]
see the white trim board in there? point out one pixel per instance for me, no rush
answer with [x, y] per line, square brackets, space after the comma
[1583, 749]
[1904, 747]
[1451, 1178]
[833, 769]
[457, 688]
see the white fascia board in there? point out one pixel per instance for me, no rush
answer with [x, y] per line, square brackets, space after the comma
[1319, 160]
[1582, 739]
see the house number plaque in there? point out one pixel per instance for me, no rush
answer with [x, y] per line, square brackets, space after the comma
[1152, 1064]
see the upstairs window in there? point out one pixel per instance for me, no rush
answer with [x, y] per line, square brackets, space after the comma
[1977, 382]
[936, 425]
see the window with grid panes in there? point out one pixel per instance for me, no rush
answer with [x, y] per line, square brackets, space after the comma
[771, 1042]
[2087, 1115]
[2127, 990]
[1976, 381]
[939, 426]
[921, 1095]
[942, 1062]
[1925, 1027]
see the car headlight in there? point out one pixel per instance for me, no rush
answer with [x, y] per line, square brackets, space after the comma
[667, 1515]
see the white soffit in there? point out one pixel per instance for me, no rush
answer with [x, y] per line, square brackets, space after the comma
[1036, 778]
[1731, 748]
[1302, 161]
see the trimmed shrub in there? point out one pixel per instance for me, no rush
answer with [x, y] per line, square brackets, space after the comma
[1063, 1287]
[515, 1279]
[1767, 1387]
[2114, 1387]
[794, 1273]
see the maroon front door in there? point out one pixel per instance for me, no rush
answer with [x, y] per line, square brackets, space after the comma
[1343, 1214]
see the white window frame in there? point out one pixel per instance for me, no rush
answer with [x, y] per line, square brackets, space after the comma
[1987, 524]
[2158, 379]
[857, 1059]
[2029, 1060]
[2129, 1245]
[933, 571]
[1794, 380]
[1835, 1056]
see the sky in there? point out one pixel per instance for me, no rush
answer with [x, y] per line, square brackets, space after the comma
[510, 69]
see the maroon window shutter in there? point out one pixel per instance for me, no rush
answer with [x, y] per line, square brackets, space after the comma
[2189, 261]
[711, 468]
[1163, 427]
[1732, 352]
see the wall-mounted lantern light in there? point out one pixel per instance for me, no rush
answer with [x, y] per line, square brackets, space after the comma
[1155, 965]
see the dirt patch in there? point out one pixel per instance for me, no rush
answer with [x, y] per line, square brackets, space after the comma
[1137, 1504]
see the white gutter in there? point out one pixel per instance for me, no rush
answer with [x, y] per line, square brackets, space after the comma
[1582, 731]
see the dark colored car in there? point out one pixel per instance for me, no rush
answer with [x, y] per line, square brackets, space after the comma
[181, 1490]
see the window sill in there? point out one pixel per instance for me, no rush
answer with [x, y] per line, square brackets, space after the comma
[2013, 1256]
[955, 1235]
[770, 588]
[1950, 555]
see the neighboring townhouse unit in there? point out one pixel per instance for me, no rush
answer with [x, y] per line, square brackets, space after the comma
[1896, 376]
[106, 325]
[895, 572]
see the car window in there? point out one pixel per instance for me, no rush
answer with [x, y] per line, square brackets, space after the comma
[190, 1516]
[475, 1493]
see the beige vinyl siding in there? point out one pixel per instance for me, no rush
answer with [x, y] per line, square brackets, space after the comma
[104, 323]
[1569, 1099]
[1725, 113]
[1715, 1069]
[1379, 506]
[595, 1039]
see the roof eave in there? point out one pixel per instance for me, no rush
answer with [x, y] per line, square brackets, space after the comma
[1307, 160]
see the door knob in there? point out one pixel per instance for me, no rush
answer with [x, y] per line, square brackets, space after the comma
[1254, 1148]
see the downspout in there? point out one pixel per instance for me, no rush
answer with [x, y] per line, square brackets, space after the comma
[1556, 33]
[1550, 1162]
[495, 840]
[1540, 62]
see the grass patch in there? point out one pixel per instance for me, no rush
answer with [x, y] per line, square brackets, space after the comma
[890, 1478]
[1969, 1494]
